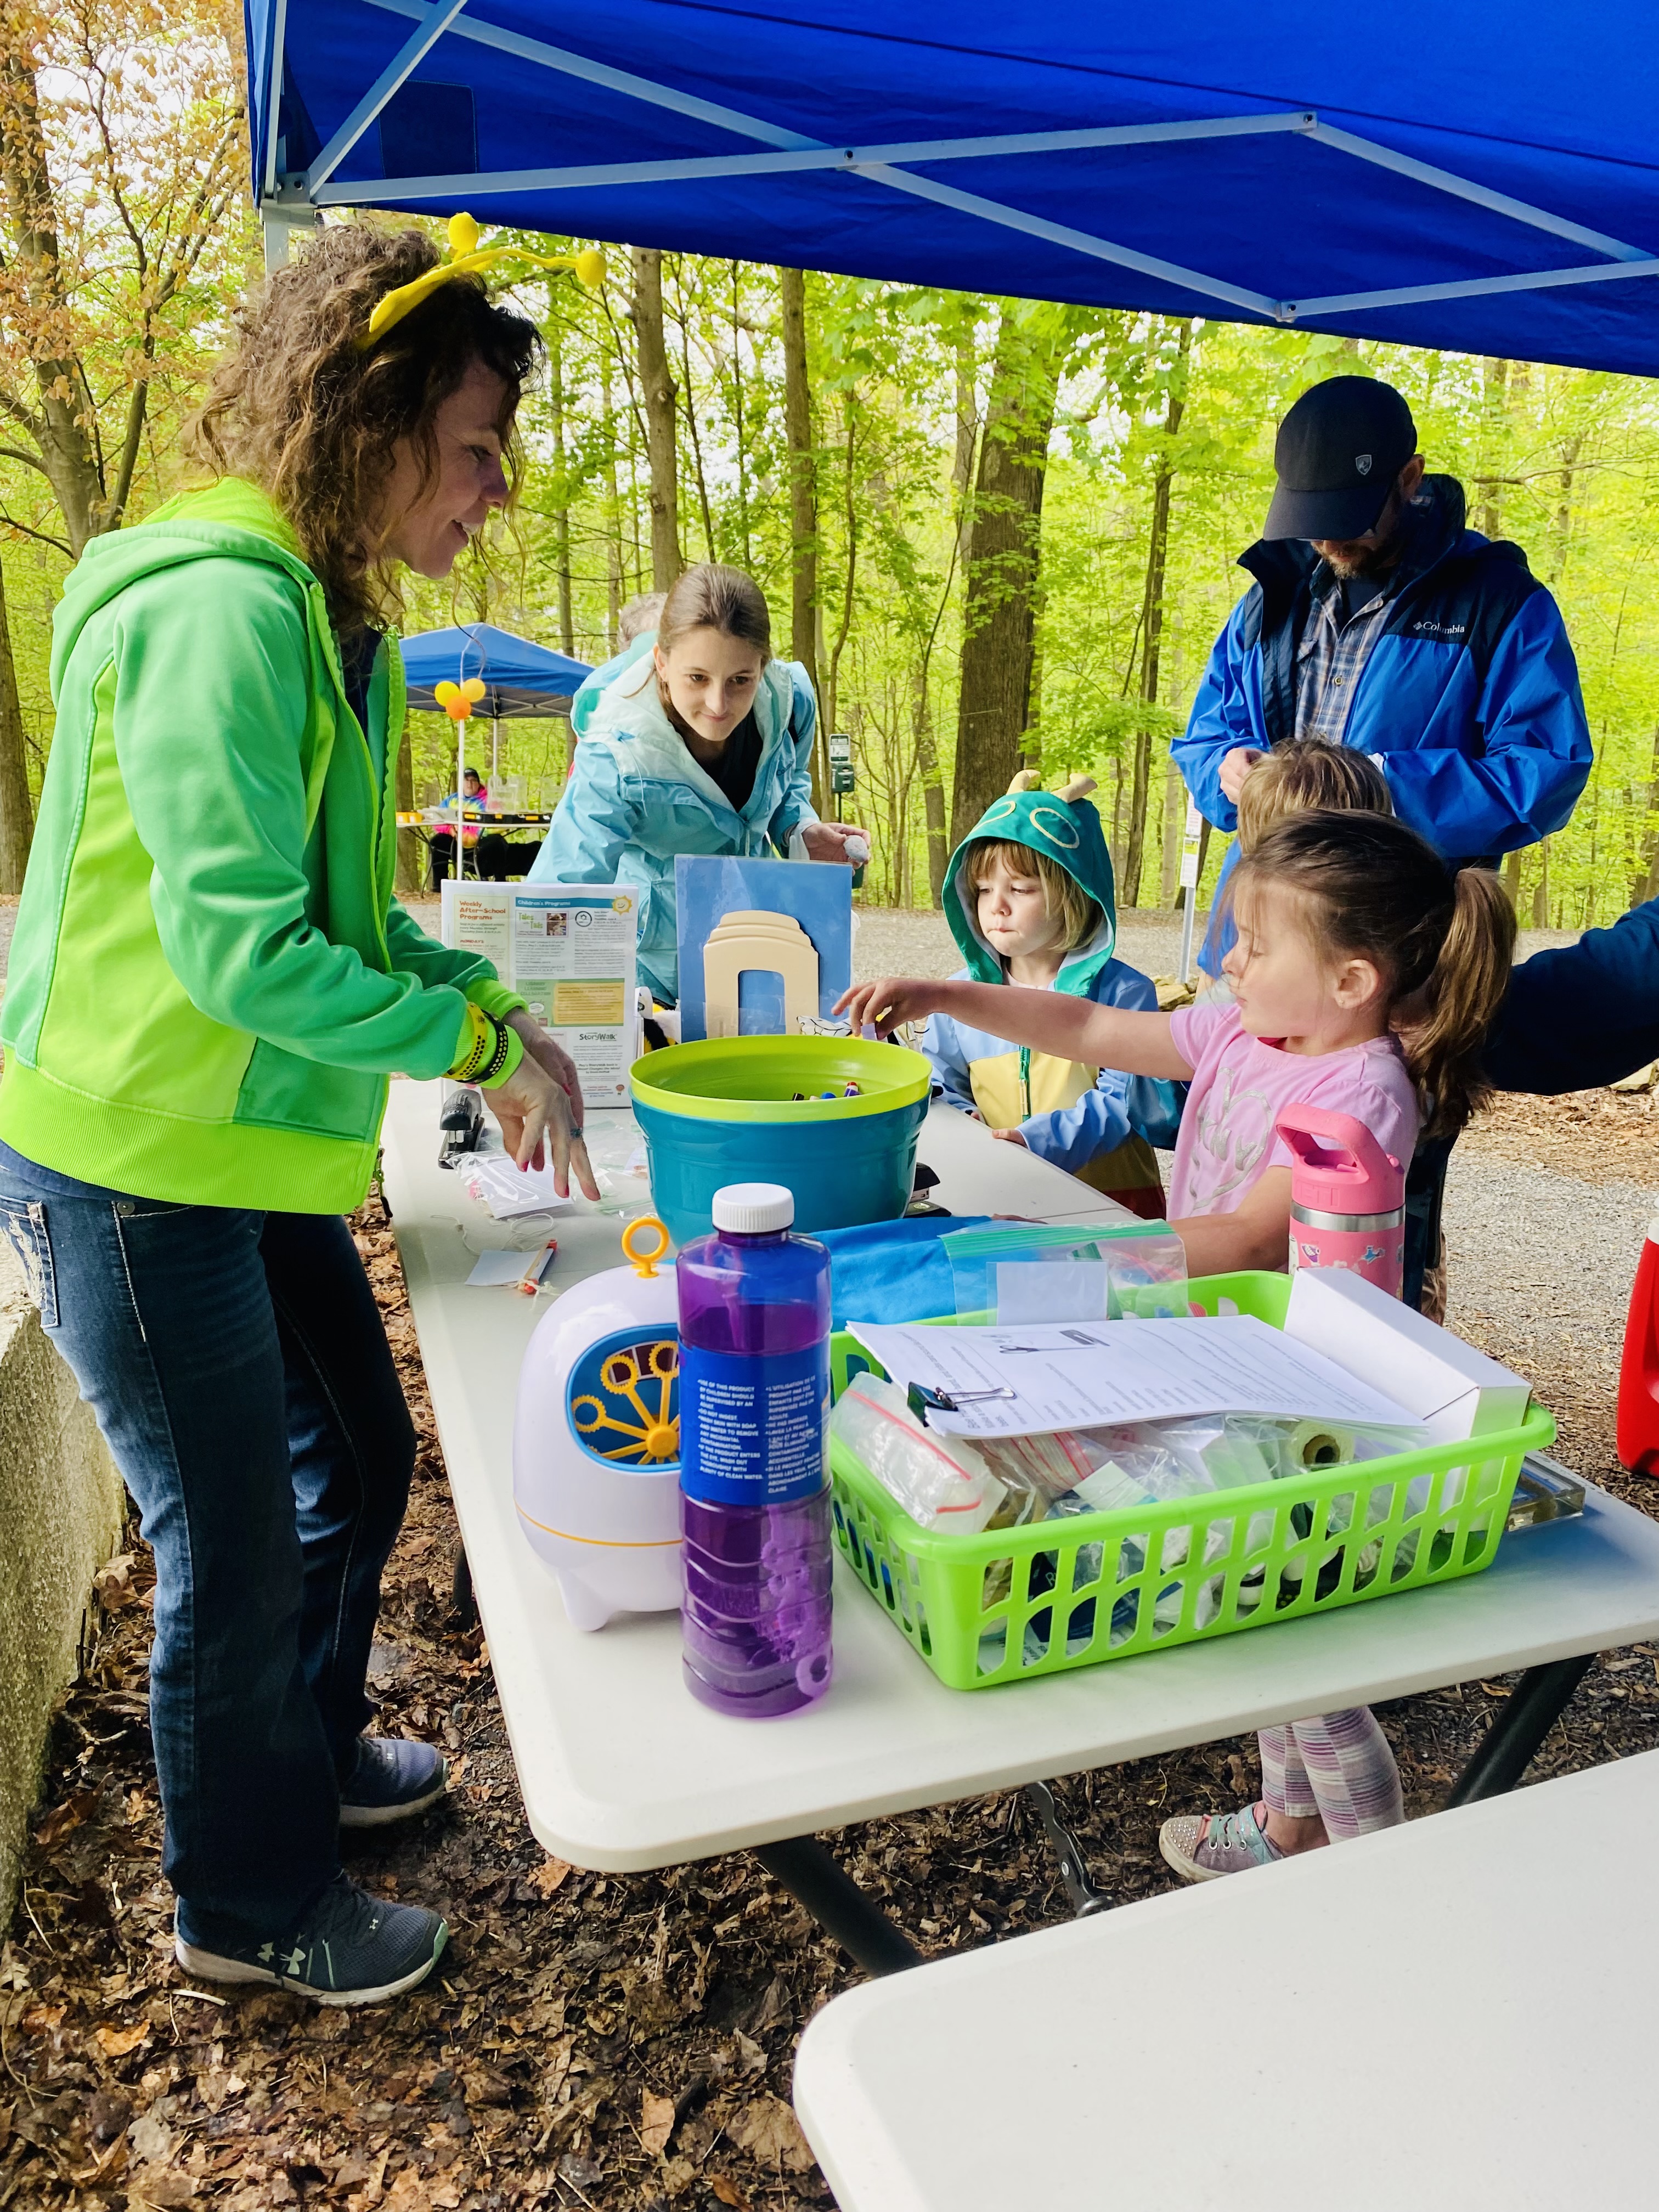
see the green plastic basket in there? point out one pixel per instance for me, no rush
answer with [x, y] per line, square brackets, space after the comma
[1012, 1603]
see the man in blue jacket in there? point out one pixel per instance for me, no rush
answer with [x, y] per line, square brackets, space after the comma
[1378, 620]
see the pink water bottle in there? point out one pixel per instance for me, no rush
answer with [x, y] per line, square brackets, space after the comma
[1347, 1197]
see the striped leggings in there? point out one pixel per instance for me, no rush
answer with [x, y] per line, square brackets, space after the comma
[1337, 1764]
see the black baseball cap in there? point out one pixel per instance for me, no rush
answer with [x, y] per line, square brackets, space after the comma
[1338, 452]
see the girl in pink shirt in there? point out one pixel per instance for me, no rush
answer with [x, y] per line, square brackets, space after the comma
[1365, 976]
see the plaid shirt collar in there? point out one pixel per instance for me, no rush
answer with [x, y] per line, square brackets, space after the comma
[1332, 654]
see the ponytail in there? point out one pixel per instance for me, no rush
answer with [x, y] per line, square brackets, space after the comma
[1442, 941]
[1460, 1001]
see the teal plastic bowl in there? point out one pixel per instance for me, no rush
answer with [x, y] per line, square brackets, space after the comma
[724, 1111]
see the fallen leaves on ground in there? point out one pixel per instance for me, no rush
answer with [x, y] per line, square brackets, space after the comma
[550, 1875]
[656, 2123]
[622, 2042]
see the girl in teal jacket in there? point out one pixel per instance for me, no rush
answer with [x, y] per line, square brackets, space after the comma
[210, 984]
[694, 741]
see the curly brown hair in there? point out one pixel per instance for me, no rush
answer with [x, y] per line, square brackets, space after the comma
[302, 412]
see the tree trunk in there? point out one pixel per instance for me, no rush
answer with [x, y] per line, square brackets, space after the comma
[16, 815]
[613, 543]
[1003, 564]
[933, 784]
[1646, 885]
[738, 433]
[1571, 449]
[1175, 825]
[703, 508]
[802, 498]
[63, 428]
[1151, 617]
[662, 443]
[562, 512]
[962, 460]
[1494, 382]
[1030, 741]
[831, 700]
[1541, 894]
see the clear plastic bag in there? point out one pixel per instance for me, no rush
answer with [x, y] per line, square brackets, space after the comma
[941, 1481]
[1022, 1273]
[1146, 1276]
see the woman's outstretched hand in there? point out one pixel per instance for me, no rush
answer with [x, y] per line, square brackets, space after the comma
[827, 840]
[886, 1005]
[539, 1109]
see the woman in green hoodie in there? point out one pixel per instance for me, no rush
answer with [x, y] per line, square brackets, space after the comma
[209, 985]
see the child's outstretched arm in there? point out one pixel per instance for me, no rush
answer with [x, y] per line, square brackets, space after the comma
[1047, 1021]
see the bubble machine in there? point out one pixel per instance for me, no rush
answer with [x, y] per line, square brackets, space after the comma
[596, 1439]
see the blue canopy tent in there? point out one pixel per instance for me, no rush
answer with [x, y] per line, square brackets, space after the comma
[519, 678]
[1480, 177]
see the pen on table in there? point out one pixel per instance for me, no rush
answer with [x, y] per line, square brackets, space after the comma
[531, 1281]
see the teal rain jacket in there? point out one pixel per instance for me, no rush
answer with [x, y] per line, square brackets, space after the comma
[637, 798]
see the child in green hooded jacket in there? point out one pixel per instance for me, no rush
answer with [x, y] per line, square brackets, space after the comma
[1030, 899]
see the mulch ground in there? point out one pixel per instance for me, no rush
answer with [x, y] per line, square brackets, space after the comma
[623, 2043]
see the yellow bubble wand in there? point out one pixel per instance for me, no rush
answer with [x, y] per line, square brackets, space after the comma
[466, 258]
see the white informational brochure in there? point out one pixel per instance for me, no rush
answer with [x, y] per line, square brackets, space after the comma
[569, 950]
[1091, 1375]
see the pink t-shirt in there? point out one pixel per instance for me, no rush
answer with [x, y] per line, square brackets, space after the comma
[1241, 1085]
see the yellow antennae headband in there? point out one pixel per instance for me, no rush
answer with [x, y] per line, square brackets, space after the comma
[467, 258]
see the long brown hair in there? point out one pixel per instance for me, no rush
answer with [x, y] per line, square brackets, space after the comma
[315, 421]
[1442, 940]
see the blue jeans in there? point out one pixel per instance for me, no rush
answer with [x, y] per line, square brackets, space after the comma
[238, 1367]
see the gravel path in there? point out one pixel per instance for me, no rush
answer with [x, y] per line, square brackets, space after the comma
[1539, 1271]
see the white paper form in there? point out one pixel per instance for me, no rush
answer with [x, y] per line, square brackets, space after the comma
[1091, 1375]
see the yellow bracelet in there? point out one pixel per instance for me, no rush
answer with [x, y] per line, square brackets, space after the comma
[479, 1046]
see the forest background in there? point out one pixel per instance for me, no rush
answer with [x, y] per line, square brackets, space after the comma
[999, 533]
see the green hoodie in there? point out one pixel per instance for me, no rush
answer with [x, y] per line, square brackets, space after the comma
[210, 980]
[1068, 832]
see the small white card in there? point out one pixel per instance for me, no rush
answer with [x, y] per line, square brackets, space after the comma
[496, 1268]
[1051, 1290]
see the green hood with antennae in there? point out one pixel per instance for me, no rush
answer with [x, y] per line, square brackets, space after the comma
[1067, 829]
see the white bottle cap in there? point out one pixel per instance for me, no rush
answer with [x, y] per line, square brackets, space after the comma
[750, 1209]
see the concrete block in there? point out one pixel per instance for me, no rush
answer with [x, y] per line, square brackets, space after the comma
[61, 1506]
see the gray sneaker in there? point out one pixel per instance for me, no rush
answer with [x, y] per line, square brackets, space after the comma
[392, 1780]
[349, 1949]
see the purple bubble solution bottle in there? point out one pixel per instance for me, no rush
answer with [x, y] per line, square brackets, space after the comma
[754, 1482]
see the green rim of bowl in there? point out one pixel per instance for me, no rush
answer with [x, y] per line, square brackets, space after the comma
[914, 1074]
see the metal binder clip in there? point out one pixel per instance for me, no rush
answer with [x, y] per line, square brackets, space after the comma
[922, 1401]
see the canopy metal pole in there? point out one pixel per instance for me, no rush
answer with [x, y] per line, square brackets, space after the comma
[1189, 886]
[495, 748]
[460, 799]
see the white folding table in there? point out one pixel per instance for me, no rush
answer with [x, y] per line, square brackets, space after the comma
[622, 1770]
[1452, 2016]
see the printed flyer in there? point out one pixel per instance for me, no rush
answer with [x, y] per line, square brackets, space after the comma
[569, 950]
